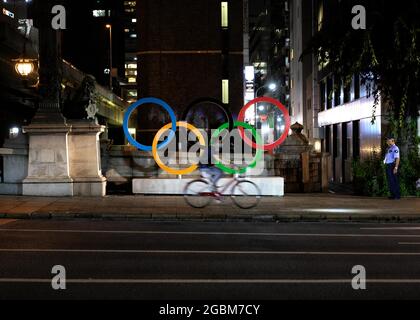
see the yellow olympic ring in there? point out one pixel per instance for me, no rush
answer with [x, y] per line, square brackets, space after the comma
[156, 141]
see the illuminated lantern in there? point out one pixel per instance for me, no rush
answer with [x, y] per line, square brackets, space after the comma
[24, 67]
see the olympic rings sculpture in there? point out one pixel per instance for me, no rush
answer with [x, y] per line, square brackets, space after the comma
[174, 124]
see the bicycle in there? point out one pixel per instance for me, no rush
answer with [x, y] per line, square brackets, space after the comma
[245, 194]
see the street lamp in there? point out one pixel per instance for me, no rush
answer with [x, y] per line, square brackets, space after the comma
[109, 27]
[13, 132]
[24, 67]
[272, 86]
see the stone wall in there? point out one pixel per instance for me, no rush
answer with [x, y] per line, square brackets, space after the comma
[14, 165]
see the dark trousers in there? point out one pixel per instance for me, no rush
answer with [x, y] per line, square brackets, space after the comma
[393, 183]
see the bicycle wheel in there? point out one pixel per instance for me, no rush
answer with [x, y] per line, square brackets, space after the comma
[197, 193]
[246, 194]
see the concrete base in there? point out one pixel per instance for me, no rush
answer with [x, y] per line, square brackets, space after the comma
[14, 189]
[64, 160]
[48, 189]
[48, 163]
[269, 186]
[89, 188]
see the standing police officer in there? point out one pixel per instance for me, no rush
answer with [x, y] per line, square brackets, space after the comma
[392, 162]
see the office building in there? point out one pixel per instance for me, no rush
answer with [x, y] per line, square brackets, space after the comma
[336, 119]
[189, 50]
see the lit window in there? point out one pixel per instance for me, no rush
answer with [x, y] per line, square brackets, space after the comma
[132, 93]
[131, 65]
[133, 20]
[132, 80]
[225, 19]
[225, 91]
[133, 35]
[131, 72]
[99, 13]
[130, 3]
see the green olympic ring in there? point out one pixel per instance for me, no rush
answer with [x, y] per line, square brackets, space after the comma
[258, 153]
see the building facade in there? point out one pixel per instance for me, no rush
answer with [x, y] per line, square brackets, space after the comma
[189, 50]
[336, 119]
[270, 47]
[131, 41]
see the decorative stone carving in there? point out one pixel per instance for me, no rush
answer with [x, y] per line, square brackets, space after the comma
[92, 110]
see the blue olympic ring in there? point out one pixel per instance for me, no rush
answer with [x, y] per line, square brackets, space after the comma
[137, 104]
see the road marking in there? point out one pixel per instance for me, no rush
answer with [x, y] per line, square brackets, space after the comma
[344, 235]
[216, 281]
[336, 210]
[392, 228]
[210, 252]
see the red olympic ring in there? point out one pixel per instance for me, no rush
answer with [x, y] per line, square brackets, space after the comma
[270, 146]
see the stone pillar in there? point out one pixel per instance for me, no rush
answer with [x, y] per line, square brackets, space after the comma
[64, 158]
[50, 65]
[85, 159]
[48, 164]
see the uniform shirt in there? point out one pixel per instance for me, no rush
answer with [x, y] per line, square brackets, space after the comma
[392, 153]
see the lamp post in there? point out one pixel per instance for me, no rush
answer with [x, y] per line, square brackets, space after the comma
[272, 86]
[109, 27]
[24, 67]
[50, 66]
[56, 166]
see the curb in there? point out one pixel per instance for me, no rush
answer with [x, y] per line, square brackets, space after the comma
[295, 217]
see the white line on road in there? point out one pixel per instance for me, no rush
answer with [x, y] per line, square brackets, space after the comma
[345, 235]
[335, 210]
[210, 252]
[392, 228]
[216, 281]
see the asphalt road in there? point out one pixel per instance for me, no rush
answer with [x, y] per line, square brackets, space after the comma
[208, 260]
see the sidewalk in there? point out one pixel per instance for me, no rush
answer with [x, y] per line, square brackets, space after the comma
[296, 207]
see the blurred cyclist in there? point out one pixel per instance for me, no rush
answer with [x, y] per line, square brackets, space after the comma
[210, 169]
